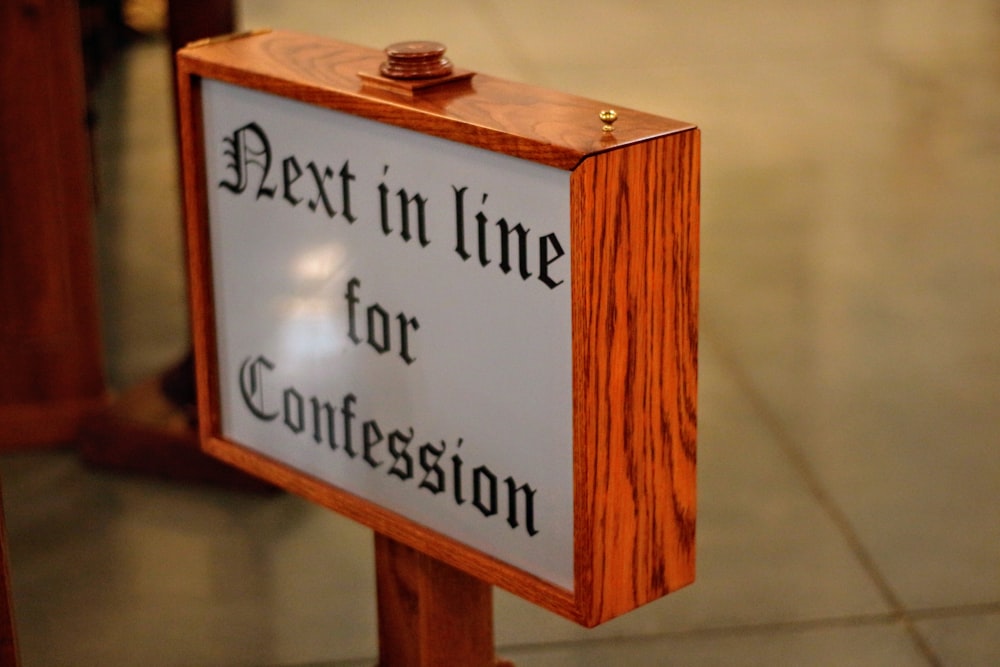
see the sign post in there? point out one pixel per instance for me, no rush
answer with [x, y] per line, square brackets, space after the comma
[430, 613]
[459, 310]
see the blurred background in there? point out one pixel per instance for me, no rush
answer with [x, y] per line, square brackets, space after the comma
[849, 435]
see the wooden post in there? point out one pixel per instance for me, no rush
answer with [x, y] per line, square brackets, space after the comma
[8, 634]
[430, 613]
[50, 349]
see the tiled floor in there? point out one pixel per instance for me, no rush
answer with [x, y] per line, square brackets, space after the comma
[849, 469]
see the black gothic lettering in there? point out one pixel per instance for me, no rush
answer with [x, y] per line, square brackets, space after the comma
[291, 172]
[456, 475]
[405, 324]
[348, 414]
[371, 435]
[383, 197]
[247, 159]
[404, 213]
[352, 300]
[529, 505]
[248, 146]
[247, 153]
[513, 242]
[378, 333]
[543, 262]
[327, 411]
[252, 385]
[429, 457]
[345, 190]
[295, 416]
[485, 500]
[405, 201]
[522, 247]
[484, 259]
[478, 487]
[460, 222]
[402, 465]
[378, 329]
[321, 196]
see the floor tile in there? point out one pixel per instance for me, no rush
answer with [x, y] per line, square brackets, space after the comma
[128, 571]
[971, 640]
[863, 326]
[833, 647]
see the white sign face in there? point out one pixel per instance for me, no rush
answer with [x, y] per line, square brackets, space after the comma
[393, 318]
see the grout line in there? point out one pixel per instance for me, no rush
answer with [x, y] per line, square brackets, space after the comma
[800, 463]
[861, 620]
[983, 609]
[512, 650]
[857, 621]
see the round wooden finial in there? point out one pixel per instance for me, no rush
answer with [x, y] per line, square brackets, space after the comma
[415, 60]
[608, 117]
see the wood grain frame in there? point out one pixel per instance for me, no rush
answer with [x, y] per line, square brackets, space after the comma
[634, 236]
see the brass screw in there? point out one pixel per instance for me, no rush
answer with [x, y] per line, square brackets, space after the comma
[608, 117]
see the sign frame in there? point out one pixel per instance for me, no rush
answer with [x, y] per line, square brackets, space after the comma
[634, 209]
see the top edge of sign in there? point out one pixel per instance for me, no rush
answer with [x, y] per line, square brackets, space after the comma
[524, 121]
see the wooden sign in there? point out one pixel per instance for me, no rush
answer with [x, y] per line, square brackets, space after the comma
[459, 310]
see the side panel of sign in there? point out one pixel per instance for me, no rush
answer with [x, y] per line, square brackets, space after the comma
[393, 318]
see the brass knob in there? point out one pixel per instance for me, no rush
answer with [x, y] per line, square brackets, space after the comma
[415, 60]
[608, 117]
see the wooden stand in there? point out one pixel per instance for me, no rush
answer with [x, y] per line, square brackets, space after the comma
[633, 244]
[429, 613]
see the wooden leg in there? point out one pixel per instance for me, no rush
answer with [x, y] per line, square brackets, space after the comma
[50, 347]
[150, 429]
[429, 613]
[8, 635]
